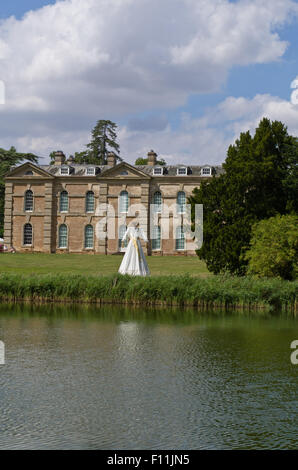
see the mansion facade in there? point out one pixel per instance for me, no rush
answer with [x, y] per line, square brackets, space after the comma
[65, 207]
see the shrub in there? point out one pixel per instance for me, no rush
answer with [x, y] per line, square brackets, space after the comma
[274, 248]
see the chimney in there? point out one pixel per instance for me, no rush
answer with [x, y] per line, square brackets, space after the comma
[152, 158]
[59, 158]
[111, 160]
[70, 159]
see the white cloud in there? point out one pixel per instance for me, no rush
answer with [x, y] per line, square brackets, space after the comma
[206, 140]
[69, 64]
[196, 141]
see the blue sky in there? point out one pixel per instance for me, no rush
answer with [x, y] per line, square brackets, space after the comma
[18, 8]
[185, 80]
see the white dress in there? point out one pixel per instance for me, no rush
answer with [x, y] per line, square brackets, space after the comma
[134, 261]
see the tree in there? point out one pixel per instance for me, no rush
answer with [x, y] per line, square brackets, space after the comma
[251, 189]
[273, 248]
[9, 158]
[52, 157]
[103, 141]
[290, 180]
[144, 161]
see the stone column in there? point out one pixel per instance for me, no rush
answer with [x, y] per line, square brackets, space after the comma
[144, 218]
[48, 217]
[8, 214]
[103, 199]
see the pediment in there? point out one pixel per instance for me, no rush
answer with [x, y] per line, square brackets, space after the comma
[27, 171]
[123, 171]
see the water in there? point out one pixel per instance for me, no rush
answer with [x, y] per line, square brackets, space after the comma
[114, 378]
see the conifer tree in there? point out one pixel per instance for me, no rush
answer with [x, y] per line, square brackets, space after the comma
[258, 183]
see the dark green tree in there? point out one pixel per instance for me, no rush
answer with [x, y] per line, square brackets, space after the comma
[251, 189]
[290, 179]
[84, 157]
[102, 142]
[52, 157]
[8, 159]
[144, 161]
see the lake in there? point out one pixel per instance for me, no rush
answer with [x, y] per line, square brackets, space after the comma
[87, 377]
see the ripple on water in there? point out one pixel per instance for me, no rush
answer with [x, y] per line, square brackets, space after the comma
[84, 382]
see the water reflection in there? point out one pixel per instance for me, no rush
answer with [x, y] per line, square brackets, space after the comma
[121, 378]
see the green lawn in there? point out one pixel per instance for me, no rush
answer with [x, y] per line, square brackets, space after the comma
[41, 263]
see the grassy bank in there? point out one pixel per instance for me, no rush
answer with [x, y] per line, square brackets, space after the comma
[226, 292]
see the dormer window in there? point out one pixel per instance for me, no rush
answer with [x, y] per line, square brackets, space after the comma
[158, 171]
[182, 171]
[90, 171]
[206, 171]
[64, 170]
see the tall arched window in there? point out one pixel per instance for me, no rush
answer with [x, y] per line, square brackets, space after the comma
[181, 201]
[27, 234]
[121, 232]
[157, 201]
[89, 236]
[156, 238]
[90, 201]
[29, 201]
[123, 203]
[180, 238]
[63, 236]
[64, 201]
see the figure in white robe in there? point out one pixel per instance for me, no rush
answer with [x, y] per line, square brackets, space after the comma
[134, 261]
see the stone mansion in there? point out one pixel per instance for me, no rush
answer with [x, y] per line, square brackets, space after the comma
[55, 208]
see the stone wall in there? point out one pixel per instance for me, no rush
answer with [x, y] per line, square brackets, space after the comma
[46, 216]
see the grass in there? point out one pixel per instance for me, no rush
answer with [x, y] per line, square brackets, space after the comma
[42, 263]
[225, 292]
[183, 281]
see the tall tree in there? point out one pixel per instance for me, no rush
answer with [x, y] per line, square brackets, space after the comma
[290, 179]
[253, 188]
[102, 142]
[9, 158]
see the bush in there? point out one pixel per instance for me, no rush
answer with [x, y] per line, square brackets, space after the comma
[274, 248]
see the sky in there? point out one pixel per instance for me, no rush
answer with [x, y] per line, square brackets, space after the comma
[181, 77]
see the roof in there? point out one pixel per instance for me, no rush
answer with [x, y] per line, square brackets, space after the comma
[169, 170]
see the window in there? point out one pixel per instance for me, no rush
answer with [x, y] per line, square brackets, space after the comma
[27, 234]
[63, 236]
[90, 201]
[181, 202]
[90, 171]
[158, 171]
[123, 206]
[64, 201]
[124, 173]
[157, 201]
[182, 171]
[64, 170]
[89, 236]
[156, 238]
[29, 201]
[122, 230]
[29, 173]
[180, 238]
[206, 171]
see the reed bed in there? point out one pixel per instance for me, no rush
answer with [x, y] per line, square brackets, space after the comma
[225, 292]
